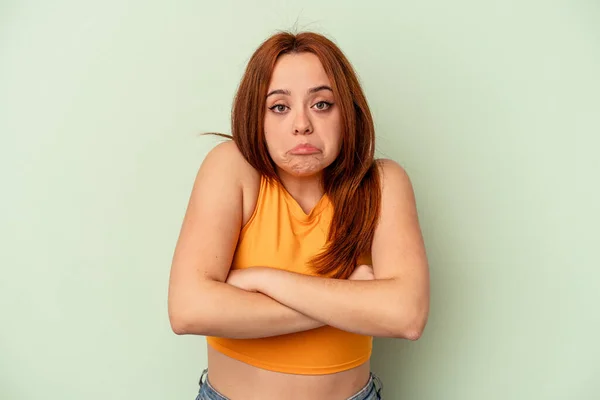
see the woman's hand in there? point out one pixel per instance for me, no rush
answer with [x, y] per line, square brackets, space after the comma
[363, 272]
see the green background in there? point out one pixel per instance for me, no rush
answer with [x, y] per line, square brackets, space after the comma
[492, 107]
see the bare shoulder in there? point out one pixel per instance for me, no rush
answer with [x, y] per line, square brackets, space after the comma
[394, 179]
[398, 245]
[227, 164]
[226, 161]
[227, 155]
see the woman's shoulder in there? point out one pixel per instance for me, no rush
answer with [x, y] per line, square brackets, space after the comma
[229, 159]
[394, 181]
[390, 169]
[230, 164]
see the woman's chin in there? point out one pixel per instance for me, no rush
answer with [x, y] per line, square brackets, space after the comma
[302, 168]
[302, 172]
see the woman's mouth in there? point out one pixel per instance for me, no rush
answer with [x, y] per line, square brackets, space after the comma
[304, 149]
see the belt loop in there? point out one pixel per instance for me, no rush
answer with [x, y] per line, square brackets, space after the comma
[379, 383]
[200, 382]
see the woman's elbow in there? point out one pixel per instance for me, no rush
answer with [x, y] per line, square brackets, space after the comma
[411, 326]
[179, 325]
[186, 315]
[184, 325]
[184, 321]
[178, 320]
[412, 334]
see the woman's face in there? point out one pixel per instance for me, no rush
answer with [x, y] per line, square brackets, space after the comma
[302, 120]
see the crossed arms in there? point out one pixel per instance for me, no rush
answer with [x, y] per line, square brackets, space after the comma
[206, 298]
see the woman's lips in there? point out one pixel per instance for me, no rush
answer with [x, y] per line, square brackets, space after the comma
[303, 149]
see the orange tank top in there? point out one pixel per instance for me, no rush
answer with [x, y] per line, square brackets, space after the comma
[279, 234]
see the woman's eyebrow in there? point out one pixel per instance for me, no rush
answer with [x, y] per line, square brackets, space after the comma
[311, 90]
[319, 88]
[279, 91]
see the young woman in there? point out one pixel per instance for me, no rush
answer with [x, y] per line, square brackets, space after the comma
[297, 246]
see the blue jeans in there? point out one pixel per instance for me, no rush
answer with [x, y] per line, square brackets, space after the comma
[368, 392]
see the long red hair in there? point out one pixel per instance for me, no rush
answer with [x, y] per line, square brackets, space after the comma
[352, 181]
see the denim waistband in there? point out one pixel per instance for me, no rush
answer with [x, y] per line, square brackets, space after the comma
[371, 391]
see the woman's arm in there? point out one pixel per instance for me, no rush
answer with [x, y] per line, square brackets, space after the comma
[244, 314]
[219, 309]
[395, 304]
[199, 301]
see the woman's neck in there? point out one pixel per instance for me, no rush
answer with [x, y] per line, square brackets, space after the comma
[306, 190]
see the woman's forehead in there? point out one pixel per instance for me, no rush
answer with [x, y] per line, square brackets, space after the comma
[299, 71]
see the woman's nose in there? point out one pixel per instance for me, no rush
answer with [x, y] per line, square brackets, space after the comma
[302, 125]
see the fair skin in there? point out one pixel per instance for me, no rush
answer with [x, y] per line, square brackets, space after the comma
[300, 102]
[391, 298]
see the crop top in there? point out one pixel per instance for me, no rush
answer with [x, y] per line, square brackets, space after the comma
[279, 234]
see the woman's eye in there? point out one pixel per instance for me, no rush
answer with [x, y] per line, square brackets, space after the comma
[278, 108]
[322, 105]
